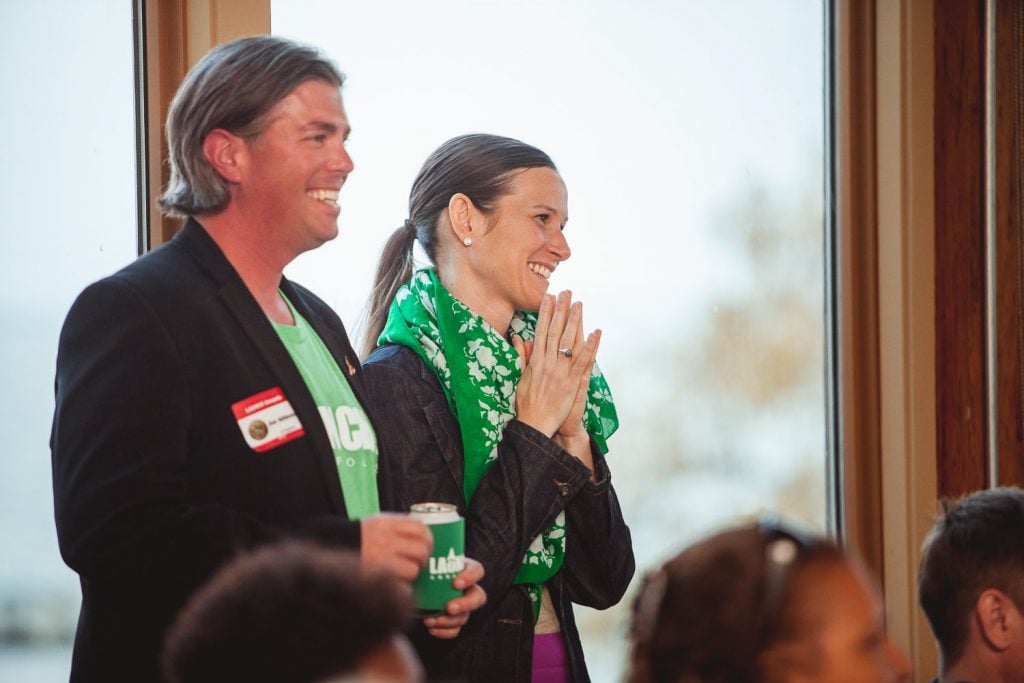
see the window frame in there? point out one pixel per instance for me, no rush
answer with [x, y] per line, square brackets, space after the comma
[171, 36]
[885, 192]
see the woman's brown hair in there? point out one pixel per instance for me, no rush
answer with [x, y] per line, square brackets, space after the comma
[711, 611]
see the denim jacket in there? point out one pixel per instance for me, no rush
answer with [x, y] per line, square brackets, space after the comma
[530, 483]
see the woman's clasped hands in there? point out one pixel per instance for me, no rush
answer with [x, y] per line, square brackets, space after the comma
[552, 392]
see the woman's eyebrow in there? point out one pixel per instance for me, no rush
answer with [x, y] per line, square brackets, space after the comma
[549, 209]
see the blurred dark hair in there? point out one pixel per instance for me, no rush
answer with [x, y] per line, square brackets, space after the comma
[291, 612]
[711, 611]
[479, 166]
[977, 543]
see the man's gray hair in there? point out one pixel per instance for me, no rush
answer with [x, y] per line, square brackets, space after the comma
[232, 87]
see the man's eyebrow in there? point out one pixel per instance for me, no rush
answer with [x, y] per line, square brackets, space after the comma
[325, 127]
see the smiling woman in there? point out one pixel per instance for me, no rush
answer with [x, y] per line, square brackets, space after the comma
[516, 246]
[503, 365]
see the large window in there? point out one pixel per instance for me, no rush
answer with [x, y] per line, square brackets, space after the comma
[690, 136]
[68, 197]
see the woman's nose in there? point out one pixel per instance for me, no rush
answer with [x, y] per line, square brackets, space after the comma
[560, 246]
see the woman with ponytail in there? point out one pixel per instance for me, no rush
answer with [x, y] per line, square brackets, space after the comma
[486, 396]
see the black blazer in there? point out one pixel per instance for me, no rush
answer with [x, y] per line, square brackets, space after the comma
[154, 484]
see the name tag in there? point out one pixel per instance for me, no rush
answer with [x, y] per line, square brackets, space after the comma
[267, 420]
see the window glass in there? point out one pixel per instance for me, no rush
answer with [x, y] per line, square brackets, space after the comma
[690, 136]
[67, 197]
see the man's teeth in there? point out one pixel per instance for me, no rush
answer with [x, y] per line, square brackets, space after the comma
[539, 269]
[329, 196]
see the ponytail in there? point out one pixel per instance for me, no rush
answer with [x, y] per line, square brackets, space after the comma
[394, 270]
[480, 166]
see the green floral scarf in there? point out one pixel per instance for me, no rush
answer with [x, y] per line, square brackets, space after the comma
[479, 371]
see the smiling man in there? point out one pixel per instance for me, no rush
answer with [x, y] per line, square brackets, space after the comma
[204, 403]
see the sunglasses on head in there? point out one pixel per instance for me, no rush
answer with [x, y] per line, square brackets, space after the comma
[784, 547]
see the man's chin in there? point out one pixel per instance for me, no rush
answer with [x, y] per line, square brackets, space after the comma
[327, 234]
[316, 240]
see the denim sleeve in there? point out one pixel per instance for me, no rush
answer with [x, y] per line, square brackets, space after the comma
[530, 483]
[599, 559]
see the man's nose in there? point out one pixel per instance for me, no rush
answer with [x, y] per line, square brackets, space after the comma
[340, 159]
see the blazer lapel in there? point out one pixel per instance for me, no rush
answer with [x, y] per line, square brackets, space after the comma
[244, 308]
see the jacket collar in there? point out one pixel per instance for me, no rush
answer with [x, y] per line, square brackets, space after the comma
[240, 303]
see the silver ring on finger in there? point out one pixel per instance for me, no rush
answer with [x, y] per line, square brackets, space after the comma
[567, 352]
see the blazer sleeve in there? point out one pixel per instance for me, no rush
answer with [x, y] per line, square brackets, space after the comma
[529, 484]
[120, 446]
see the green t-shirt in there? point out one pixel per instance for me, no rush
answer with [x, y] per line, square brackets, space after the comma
[348, 428]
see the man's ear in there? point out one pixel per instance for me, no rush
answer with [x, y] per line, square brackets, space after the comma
[225, 151]
[998, 618]
[467, 221]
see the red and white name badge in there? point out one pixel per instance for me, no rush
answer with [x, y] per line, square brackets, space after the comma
[267, 420]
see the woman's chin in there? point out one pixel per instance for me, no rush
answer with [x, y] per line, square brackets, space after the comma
[534, 296]
[532, 304]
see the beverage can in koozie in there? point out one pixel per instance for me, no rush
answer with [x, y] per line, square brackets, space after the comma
[433, 588]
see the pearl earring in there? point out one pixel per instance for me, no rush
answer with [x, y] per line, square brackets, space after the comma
[468, 241]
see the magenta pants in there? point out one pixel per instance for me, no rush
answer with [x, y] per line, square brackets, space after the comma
[550, 664]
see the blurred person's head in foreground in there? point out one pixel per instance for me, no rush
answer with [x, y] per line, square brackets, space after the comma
[761, 603]
[971, 586]
[293, 612]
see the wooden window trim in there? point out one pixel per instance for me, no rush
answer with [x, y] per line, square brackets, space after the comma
[176, 34]
[886, 305]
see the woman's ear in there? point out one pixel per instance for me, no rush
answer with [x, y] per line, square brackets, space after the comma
[225, 152]
[467, 222]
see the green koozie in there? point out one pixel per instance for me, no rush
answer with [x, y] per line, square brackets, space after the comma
[433, 588]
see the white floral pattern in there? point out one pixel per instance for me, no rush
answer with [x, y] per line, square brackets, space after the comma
[479, 371]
